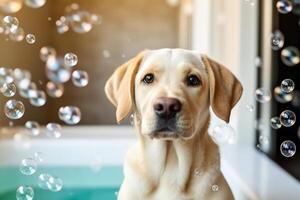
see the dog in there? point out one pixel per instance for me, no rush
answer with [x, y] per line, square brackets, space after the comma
[170, 91]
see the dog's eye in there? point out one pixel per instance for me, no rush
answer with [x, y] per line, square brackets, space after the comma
[193, 80]
[148, 78]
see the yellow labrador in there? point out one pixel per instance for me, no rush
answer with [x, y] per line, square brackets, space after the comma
[170, 92]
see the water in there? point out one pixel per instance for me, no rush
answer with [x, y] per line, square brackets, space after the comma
[35, 3]
[14, 109]
[287, 118]
[288, 148]
[80, 78]
[30, 38]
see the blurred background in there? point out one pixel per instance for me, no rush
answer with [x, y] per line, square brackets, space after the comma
[257, 40]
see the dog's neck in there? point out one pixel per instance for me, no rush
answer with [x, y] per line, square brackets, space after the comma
[186, 156]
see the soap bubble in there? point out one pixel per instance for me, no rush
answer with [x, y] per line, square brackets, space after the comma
[287, 118]
[30, 38]
[215, 188]
[56, 70]
[28, 166]
[11, 23]
[38, 156]
[275, 123]
[6, 76]
[8, 89]
[277, 40]
[69, 114]
[250, 107]
[43, 180]
[24, 193]
[35, 3]
[11, 6]
[284, 6]
[33, 128]
[263, 140]
[262, 95]
[288, 148]
[281, 96]
[62, 25]
[25, 93]
[81, 22]
[55, 184]
[96, 19]
[287, 85]
[197, 172]
[106, 53]
[37, 98]
[14, 109]
[46, 52]
[54, 90]
[22, 78]
[70, 59]
[290, 56]
[80, 78]
[53, 130]
[223, 133]
[17, 35]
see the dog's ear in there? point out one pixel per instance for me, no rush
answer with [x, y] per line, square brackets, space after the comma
[120, 86]
[225, 89]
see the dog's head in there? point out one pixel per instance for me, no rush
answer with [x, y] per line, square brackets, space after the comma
[170, 92]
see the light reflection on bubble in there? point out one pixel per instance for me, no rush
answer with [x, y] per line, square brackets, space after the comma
[290, 56]
[288, 148]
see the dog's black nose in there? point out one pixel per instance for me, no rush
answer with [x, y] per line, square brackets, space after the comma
[166, 107]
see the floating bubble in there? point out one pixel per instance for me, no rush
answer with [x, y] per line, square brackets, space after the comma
[288, 148]
[53, 130]
[33, 128]
[62, 25]
[24, 193]
[290, 56]
[287, 85]
[17, 35]
[11, 23]
[70, 59]
[284, 6]
[69, 114]
[215, 188]
[8, 89]
[11, 6]
[30, 38]
[56, 71]
[25, 93]
[96, 19]
[281, 96]
[250, 107]
[46, 52]
[262, 95]
[14, 109]
[28, 166]
[287, 118]
[35, 3]
[43, 181]
[275, 123]
[277, 40]
[6, 76]
[263, 140]
[224, 133]
[80, 78]
[55, 184]
[81, 22]
[37, 98]
[38, 156]
[22, 78]
[54, 90]
[106, 53]
[71, 8]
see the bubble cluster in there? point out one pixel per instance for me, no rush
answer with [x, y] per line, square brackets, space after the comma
[53, 130]
[80, 78]
[287, 85]
[14, 109]
[277, 40]
[224, 133]
[284, 6]
[69, 114]
[287, 118]
[288, 148]
[54, 90]
[30, 38]
[24, 193]
[290, 56]
[28, 166]
[275, 123]
[70, 59]
[32, 128]
[56, 70]
[262, 95]
[80, 21]
[8, 89]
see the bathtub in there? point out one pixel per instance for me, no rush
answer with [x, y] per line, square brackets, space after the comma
[89, 161]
